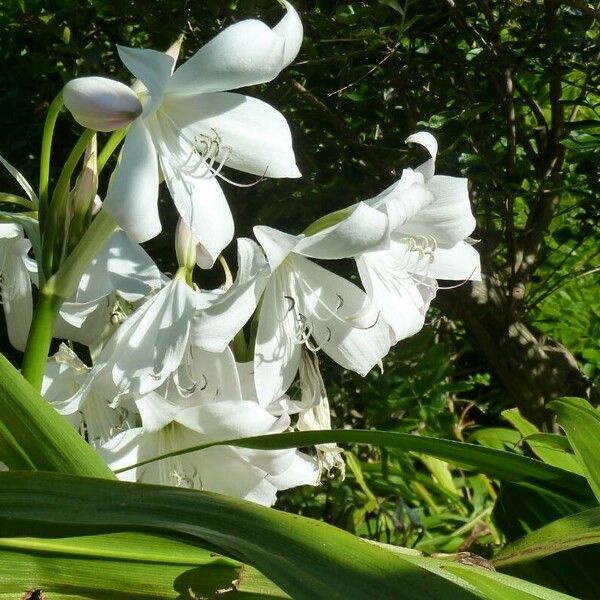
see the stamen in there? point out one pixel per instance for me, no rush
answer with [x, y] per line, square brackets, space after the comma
[292, 304]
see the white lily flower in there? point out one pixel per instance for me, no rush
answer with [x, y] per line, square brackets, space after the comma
[304, 304]
[121, 272]
[174, 419]
[146, 348]
[193, 126]
[15, 283]
[96, 418]
[429, 218]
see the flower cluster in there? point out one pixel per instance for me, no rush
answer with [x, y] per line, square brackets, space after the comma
[175, 366]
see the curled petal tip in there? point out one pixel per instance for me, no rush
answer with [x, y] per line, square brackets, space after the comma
[101, 104]
[290, 29]
[425, 139]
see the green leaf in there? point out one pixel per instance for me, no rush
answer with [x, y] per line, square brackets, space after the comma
[308, 559]
[497, 463]
[521, 510]
[552, 449]
[34, 436]
[555, 450]
[114, 566]
[581, 423]
[492, 585]
[581, 529]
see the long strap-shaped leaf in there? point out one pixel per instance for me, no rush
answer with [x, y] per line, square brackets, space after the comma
[581, 529]
[497, 463]
[125, 565]
[307, 559]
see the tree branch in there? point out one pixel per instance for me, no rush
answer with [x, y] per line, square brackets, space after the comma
[343, 129]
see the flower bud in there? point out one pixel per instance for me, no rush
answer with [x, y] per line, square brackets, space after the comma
[86, 186]
[101, 104]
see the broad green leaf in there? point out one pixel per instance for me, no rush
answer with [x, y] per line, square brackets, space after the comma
[581, 422]
[34, 436]
[552, 449]
[581, 529]
[308, 559]
[522, 510]
[497, 463]
[115, 566]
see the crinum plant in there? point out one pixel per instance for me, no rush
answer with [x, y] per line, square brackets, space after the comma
[158, 381]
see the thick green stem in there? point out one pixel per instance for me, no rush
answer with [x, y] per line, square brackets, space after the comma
[51, 117]
[56, 210]
[40, 337]
[56, 290]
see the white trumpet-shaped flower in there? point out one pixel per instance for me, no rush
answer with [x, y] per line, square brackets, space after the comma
[145, 349]
[192, 126]
[429, 217]
[305, 304]
[15, 283]
[174, 419]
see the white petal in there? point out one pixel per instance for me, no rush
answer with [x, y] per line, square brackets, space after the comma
[394, 292]
[132, 272]
[250, 135]
[245, 53]
[100, 103]
[366, 229]
[290, 28]
[277, 352]
[224, 471]
[156, 411]
[430, 143]
[216, 325]
[128, 448]
[15, 290]
[216, 376]
[83, 323]
[448, 218]
[201, 204]
[276, 244]
[332, 301]
[302, 471]
[132, 197]
[152, 68]
[461, 262]
[227, 419]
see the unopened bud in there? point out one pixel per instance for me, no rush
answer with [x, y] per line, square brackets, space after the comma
[86, 186]
[101, 104]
